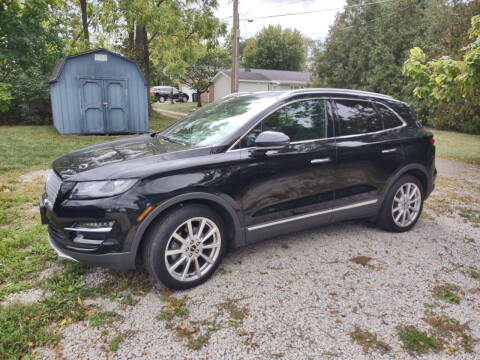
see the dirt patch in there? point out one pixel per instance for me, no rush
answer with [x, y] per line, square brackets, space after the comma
[25, 297]
[33, 175]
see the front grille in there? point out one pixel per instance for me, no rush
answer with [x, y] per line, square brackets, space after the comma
[52, 186]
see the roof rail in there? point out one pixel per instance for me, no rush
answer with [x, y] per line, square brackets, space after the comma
[334, 90]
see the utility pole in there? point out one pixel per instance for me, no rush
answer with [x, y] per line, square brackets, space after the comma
[235, 45]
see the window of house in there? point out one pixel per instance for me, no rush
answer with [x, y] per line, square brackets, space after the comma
[357, 117]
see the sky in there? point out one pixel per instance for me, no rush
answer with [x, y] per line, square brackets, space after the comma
[314, 25]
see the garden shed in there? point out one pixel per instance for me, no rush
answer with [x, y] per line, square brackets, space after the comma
[98, 92]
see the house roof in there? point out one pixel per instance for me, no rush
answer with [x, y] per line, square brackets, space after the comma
[271, 76]
[57, 71]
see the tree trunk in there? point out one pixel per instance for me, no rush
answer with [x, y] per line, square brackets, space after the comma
[131, 39]
[199, 98]
[83, 6]
[142, 56]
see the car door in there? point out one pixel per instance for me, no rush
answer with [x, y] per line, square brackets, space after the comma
[293, 187]
[366, 156]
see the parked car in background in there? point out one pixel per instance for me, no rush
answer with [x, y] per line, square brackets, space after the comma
[162, 94]
[247, 167]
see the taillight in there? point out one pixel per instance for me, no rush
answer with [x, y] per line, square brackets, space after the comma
[432, 141]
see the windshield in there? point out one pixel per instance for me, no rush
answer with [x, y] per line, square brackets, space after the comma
[213, 123]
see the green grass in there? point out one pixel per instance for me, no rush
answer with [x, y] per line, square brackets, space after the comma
[447, 292]
[417, 341]
[99, 318]
[179, 107]
[369, 341]
[35, 147]
[457, 146]
[115, 342]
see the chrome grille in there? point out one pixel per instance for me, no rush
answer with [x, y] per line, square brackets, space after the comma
[52, 186]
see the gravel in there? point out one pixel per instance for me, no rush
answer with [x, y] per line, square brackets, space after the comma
[300, 296]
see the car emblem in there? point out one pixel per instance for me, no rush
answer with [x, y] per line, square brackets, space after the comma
[68, 172]
[82, 166]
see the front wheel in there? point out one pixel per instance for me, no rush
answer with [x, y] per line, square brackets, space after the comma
[185, 247]
[403, 205]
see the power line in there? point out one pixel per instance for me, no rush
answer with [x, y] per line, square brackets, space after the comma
[366, 23]
[322, 10]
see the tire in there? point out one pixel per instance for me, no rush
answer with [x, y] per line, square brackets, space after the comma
[194, 269]
[161, 99]
[399, 212]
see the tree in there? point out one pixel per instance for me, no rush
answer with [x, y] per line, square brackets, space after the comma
[35, 42]
[199, 75]
[162, 33]
[275, 48]
[451, 88]
[367, 45]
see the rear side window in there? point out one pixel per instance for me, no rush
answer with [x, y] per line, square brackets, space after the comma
[390, 119]
[357, 117]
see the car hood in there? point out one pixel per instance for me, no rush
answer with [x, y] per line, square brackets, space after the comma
[104, 160]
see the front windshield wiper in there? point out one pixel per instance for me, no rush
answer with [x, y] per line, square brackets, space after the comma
[170, 139]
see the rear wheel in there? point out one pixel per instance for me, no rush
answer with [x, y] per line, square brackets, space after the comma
[185, 247]
[403, 205]
[161, 99]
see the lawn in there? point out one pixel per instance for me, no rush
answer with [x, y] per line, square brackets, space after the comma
[24, 251]
[34, 147]
[457, 146]
[178, 107]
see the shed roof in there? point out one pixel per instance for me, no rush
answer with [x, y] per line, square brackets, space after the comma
[57, 71]
[276, 76]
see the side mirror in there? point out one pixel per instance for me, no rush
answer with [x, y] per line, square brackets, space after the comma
[272, 140]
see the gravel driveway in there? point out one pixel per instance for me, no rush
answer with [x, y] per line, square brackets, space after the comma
[310, 294]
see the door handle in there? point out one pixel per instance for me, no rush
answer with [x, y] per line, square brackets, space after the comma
[386, 151]
[105, 104]
[320, 161]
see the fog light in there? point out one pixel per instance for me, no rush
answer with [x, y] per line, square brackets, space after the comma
[94, 226]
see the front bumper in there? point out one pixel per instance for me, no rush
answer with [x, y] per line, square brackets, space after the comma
[116, 261]
[101, 249]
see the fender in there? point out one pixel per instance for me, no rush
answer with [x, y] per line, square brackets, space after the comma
[238, 233]
[404, 169]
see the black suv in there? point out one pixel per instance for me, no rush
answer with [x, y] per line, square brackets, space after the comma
[162, 93]
[247, 167]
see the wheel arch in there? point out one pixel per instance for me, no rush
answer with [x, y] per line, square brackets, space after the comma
[415, 169]
[236, 237]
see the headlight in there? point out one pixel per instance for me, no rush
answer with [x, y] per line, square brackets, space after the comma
[100, 189]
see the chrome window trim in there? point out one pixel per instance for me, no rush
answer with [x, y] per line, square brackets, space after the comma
[305, 216]
[404, 123]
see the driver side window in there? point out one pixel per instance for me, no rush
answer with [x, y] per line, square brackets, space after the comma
[302, 120]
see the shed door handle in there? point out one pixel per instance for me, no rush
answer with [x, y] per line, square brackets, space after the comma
[386, 151]
[320, 161]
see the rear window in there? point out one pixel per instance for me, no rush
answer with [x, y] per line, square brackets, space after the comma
[357, 117]
[390, 119]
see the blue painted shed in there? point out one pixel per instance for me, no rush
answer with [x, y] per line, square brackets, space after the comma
[98, 92]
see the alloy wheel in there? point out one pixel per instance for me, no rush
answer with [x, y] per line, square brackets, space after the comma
[192, 249]
[406, 204]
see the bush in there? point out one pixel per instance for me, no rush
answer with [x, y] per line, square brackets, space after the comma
[450, 88]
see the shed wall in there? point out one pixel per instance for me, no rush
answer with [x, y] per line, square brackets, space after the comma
[66, 93]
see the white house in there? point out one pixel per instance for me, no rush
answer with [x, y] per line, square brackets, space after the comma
[260, 80]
